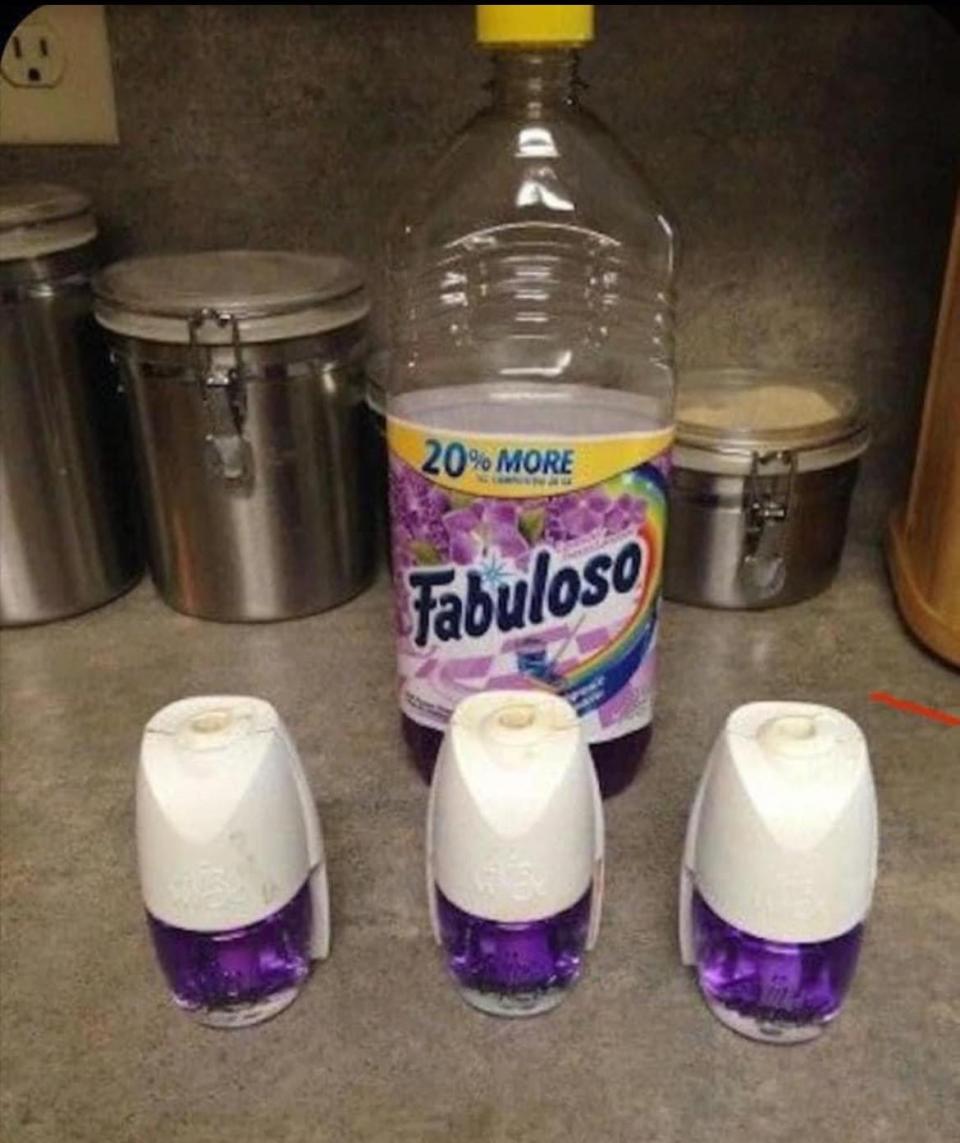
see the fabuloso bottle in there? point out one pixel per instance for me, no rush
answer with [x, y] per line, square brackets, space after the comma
[530, 403]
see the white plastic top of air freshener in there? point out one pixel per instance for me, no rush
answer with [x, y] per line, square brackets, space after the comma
[782, 839]
[515, 825]
[227, 831]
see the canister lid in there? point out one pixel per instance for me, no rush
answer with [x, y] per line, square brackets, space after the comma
[42, 218]
[272, 295]
[724, 416]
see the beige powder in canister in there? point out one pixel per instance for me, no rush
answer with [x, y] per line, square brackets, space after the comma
[761, 408]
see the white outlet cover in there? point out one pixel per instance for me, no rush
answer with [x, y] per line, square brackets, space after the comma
[56, 78]
[33, 56]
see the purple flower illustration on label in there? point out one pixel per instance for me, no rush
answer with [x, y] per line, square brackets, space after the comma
[431, 526]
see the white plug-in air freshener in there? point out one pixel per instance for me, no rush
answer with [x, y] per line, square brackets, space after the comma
[515, 850]
[231, 858]
[779, 868]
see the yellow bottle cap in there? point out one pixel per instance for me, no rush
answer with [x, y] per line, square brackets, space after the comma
[561, 24]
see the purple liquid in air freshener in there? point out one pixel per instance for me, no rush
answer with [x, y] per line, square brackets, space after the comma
[771, 990]
[517, 968]
[241, 976]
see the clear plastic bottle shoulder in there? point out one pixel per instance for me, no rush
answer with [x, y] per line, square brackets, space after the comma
[534, 255]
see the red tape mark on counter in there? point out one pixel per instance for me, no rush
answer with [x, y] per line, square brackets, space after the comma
[915, 708]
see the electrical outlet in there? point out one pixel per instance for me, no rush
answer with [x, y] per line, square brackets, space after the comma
[33, 57]
[56, 78]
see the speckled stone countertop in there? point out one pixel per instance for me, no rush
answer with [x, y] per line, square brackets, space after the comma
[379, 1047]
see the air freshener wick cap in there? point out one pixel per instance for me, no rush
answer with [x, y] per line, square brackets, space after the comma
[227, 830]
[782, 839]
[517, 725]
[515, 828]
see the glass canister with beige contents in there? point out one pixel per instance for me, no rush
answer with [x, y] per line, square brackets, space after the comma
[764, 471]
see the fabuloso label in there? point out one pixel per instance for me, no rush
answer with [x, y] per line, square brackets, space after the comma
[528, 561]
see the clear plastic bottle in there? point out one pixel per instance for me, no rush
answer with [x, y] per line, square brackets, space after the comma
[530, 405]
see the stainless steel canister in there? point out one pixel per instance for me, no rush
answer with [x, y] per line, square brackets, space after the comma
[68, 519]
[764, 470]
[244, 372]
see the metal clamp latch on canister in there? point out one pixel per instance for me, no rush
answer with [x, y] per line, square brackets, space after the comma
[768, 494]
[224, 396]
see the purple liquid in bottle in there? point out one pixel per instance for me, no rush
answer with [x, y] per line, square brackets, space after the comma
[241, 976]
[770, 990]
[514, 969]
[616, 761]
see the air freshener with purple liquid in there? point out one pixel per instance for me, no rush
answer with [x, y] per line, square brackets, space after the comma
[779, 869]
[514, 851]
[231, 859]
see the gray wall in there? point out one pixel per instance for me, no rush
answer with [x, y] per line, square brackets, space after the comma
[808, 154]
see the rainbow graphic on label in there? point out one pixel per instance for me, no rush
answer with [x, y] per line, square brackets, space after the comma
[614, 664]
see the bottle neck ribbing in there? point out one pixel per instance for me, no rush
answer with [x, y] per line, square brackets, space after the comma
[533, 80]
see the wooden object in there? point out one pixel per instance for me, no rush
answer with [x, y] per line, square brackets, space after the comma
[924, 537]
